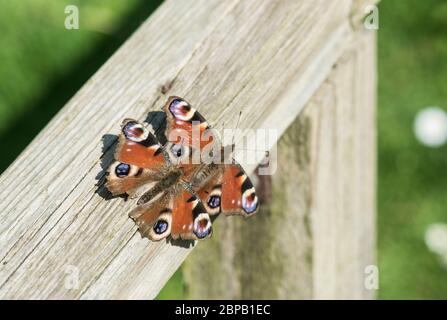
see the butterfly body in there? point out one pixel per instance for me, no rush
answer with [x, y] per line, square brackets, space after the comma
[179, 195]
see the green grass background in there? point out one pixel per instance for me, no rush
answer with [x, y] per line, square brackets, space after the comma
[412, 177]
[43, 65]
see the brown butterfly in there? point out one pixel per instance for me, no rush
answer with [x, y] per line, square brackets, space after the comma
[181, 193]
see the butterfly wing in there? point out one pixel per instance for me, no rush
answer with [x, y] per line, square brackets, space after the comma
[126, 178]
[177, 212]
[230, 191]
[185, 125]
[139, 159]
[154, 218]
[190, 219]
[189, 136]
[139, 147]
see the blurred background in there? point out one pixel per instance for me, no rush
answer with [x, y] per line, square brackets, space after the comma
[43, 65]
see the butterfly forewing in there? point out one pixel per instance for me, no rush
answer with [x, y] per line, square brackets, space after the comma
[139, 147]
[185, 125]
[178, 213]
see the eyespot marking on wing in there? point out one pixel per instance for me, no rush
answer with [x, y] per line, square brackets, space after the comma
[122, 170]
[213, 201]
[161, 228]
[135, 131]
[202, 226]
[181, 110]
[250, 201]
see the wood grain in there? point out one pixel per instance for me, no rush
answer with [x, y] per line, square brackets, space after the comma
[266, 58]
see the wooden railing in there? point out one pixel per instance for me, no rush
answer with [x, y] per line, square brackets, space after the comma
[314, 236]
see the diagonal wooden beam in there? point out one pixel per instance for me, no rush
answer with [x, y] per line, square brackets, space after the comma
[266, 58]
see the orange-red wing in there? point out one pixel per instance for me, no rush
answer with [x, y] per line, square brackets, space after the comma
[185, 125]
[125, 178]
[139, 155]
[230, 192]
[176, 212]
[137, 146]
[210, 192]
[189, 217]
[154, 218]
[139, 158]
[238, 192]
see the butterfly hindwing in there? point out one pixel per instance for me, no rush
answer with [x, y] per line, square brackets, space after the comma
[177, 212]
[154, 218]
[190, 220]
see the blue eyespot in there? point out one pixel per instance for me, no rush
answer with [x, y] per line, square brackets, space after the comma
[250, 202]
[122, 170]
[202, 233]
[214, 202]
[177, 150]
[161, 226]
[202, 226]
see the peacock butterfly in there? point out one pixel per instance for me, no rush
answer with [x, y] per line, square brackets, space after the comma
[182, 189]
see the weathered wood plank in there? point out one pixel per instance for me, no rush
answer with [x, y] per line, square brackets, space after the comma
[266, 58]
[315, 234]
[343, 214]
